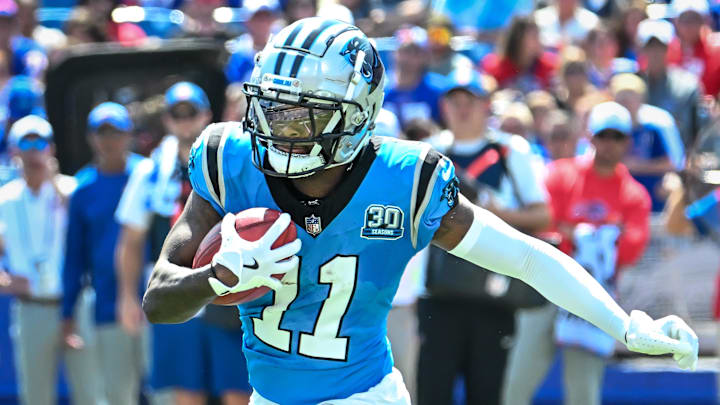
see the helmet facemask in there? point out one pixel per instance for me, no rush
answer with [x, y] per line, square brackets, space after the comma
[300, 131]
[311, 68]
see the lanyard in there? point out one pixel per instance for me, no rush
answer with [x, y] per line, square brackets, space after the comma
[26, 230]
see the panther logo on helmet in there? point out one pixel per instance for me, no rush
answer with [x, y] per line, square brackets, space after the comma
[372, 69]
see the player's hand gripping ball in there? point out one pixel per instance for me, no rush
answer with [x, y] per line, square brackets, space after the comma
[264, 245]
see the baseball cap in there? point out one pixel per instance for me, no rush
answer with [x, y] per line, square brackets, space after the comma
[24, 97]
[411, 35]
[627, 81]
[8, 8]
[470, 80]
[609, 115]
[699, 6]
[661, 30]
[111, 114]
[187, 92]
[30, 125]
[255, 6]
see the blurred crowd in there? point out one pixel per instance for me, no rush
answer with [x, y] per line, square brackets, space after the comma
[572, 120]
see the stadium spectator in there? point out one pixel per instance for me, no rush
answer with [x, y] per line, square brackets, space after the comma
[626, 30]
[125, 33]
[693, 49]
[81, 28]
[33, 221]
[564, 140]
[91, 238]
[574, 82]
[668, 87]
[444, 59]
[235, 103]
[298, 9]
[21, 96]
[564, 22]
[261, 17]
[26, 56]
[49, 39]
[601, 49]
[602, 215]
[656, 147]
[585, 104]
[153, 199]
[517, 119]
[421, 129]
[521, 62]
[541, 104]
[24, 96]
[464, 331]
[411, 91]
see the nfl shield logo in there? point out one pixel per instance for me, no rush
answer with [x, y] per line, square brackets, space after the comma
[312, 225]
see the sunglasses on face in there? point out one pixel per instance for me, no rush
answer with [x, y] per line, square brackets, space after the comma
[611, 135]
[38, 144]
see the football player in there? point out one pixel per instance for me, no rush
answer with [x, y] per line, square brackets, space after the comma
[364, 206]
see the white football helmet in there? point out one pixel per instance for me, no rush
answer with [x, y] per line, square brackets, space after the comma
[313, 97]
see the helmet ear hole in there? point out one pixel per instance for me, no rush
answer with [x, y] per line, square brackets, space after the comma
[359, 117]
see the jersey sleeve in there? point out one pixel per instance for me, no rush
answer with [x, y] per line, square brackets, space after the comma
[435, 193]
[206, 163]
[133, 210]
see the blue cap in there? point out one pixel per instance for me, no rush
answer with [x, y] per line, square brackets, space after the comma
[470, 80]
[30, 125]
[609, 115]
[112, 114]
[24, 97]
[189, 93]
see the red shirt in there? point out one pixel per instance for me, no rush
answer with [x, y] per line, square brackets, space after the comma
[579, 195]
[506, 72]
[704, 62]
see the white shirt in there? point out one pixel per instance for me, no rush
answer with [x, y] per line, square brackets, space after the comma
[520, 162]
[33, 227]
[573, 32]
[387, 124]
[153, 187]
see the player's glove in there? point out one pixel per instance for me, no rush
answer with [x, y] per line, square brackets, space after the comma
[253, 263]
[666, 335]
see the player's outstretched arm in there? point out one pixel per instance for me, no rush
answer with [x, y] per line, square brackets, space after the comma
[480, 237]
[176, 292]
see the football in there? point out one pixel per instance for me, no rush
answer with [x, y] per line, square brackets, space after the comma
[251, 225]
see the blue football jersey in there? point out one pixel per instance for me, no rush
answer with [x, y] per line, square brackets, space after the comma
[322, 336]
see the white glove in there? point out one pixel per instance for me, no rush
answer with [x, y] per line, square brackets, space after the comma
[666, 335]
[253, 263]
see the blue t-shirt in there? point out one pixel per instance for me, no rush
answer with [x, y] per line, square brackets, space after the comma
[648, 144]
[91, 238]
[322, 336]
[419, 102]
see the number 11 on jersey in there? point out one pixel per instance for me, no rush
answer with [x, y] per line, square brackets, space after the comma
[340, 273]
